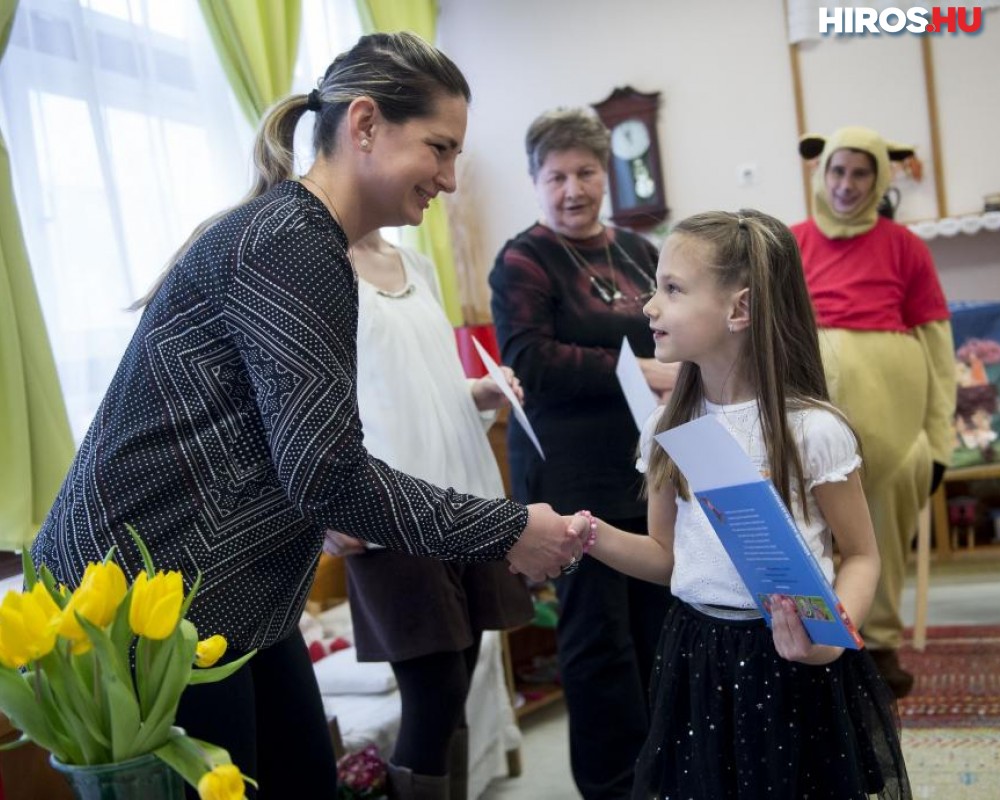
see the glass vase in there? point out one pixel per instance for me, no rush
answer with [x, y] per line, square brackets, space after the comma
[142, 778]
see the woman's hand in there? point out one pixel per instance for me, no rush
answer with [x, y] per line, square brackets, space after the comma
[790, 637]
[660, 377]
[546, 546]
[336, 543]
[487, 395]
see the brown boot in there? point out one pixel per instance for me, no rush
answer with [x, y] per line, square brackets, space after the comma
[458, 764]
[405, 784]
[899, 680]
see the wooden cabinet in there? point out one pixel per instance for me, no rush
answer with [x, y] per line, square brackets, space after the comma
[25, 773]
[531, 651]
[967, 529]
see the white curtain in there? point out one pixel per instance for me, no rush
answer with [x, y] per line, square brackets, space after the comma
[329, 27]
[122, 137]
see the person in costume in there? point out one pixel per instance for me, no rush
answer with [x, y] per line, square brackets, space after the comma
[887, 352]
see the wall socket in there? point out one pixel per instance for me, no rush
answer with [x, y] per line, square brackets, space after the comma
[746, 175]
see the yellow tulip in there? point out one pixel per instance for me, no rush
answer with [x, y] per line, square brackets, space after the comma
[28, 624]
[223, 783]
[156, 604]
[96, 599]
[210, 650]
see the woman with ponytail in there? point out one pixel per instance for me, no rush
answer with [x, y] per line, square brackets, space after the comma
[229, 436]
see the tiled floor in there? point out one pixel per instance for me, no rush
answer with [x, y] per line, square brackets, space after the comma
[964, 591]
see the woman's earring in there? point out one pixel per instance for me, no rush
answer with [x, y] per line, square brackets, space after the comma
[364, 144]
[731, 328]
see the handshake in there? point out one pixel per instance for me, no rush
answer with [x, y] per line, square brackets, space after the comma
[552, 545]
[549, 546]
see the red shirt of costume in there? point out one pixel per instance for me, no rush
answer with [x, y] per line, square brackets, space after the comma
[882, 280]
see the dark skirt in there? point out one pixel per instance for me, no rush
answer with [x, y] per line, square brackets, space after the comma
[404, 607]
[730, 718]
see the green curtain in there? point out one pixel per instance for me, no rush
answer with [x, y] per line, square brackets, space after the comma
[433, 237]
[36, 444]
[257, 42]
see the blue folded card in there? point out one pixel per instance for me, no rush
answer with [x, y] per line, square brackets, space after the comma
[757, 529]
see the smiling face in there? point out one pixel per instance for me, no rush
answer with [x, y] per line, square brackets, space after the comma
[849, 180]
[570, 187]
[416, 160]
[689, 312]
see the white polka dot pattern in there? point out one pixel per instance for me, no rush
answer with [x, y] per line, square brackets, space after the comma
[230, 435]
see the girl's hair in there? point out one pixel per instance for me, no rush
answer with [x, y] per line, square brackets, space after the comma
[780, 358]
[401, 72]
[564, 129]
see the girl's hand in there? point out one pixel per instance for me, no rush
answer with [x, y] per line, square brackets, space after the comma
[487, 395]
[790, 637]
[336, 543]
[579, 526]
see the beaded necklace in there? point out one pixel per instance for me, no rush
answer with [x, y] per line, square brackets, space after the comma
[607, 290]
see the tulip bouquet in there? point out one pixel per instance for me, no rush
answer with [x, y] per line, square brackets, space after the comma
[95, 675]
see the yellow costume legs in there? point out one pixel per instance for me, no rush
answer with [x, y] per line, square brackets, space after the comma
[895, 505]
[881, 382]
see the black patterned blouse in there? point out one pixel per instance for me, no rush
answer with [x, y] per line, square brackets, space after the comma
[230, 438]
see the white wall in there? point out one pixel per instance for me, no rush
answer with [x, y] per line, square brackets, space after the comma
[724, 73]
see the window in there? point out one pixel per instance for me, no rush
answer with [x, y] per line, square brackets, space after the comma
[123, 137]
[329, 27]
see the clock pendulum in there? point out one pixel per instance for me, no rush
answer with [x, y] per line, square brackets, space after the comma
[635, 179]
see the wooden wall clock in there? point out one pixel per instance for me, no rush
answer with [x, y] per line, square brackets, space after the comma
[635, 175]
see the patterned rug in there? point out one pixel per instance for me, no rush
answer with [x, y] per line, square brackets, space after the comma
[957, 679]
[953, 763]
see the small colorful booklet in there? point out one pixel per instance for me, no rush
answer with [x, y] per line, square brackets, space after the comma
[757, 529]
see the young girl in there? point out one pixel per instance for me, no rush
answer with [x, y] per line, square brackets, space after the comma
[740, 710]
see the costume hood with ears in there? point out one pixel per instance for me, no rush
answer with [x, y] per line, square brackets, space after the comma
[864, 217]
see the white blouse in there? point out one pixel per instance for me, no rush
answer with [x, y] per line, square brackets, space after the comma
[415, 402]
[703, 571]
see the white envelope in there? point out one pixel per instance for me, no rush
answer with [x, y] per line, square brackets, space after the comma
[640, 398]
[497, 375]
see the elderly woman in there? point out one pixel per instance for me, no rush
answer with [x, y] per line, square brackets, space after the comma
[565, 293]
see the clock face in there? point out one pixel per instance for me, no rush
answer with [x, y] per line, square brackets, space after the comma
[629, 139]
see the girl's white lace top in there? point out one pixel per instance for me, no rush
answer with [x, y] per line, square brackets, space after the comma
[703, 572]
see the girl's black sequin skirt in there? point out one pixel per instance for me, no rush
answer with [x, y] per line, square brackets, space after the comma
[730, 718]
